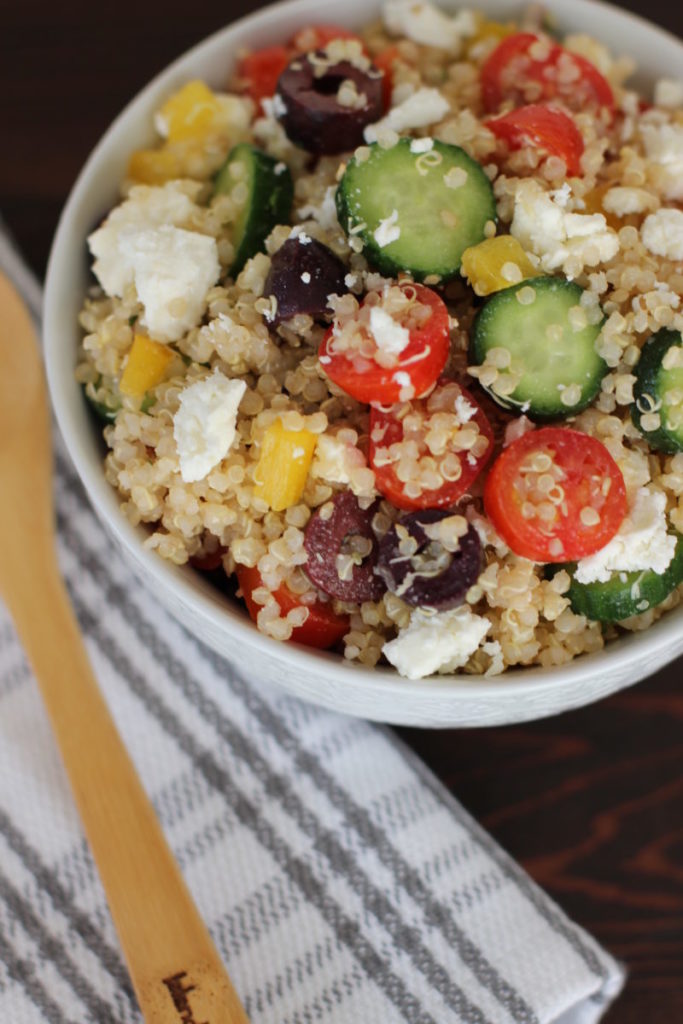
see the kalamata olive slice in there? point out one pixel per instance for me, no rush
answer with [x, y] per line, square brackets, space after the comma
[420, 570]
[341, 539]
[320, 116]
[303, 273]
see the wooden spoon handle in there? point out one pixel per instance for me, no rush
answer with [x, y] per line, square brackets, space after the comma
[176, 971]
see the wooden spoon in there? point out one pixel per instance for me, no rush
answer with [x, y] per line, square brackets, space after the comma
[176, 971]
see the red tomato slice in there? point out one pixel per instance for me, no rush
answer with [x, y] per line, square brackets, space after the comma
[316, 37]
[322, 629]
[551, 131]
[415, 424]
[556, 74]
[259, 71]
[418, 366]
[555, 495]
[384, 61]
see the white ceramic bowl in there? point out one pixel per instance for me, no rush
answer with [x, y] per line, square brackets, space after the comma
[325, 679]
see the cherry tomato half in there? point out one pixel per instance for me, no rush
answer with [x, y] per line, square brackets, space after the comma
[384, 61]
[417, 367]
[259, 71]
[322, 629]
[440, 444]
[555, 74]
[555, 495]
[551, 131]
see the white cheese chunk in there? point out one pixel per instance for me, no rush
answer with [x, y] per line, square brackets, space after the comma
[173, 270]
[390, 336]
[204, 425]
[624, 199]
[556, 236]
[664, 148]
[441, 642]
[388, 230]
[641, 543]
[662, 233]
[146, 207]
[144, 243]
[426, 24]
[425, 106]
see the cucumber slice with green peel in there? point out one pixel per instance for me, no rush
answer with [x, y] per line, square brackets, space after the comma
[415, 209]
[554, 370]
[625, 593]
[657, 410]
[267, 190]
[105, 403]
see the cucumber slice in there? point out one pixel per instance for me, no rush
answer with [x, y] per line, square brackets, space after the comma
[415, 211]
[268, 199]
[549, 358]
[659, 389]
[626, 593]
[104, 402]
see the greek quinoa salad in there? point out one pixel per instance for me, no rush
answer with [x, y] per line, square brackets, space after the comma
[387, 337]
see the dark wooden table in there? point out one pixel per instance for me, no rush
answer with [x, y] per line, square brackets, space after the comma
[591, 803]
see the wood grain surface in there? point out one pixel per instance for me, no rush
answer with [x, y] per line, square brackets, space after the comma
[591, 803]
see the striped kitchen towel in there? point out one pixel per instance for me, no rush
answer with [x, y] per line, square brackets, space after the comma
[339, 879]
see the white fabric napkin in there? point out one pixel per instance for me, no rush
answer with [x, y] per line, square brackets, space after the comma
[339, 879]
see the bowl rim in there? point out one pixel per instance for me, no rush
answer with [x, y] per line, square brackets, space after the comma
[221, 616]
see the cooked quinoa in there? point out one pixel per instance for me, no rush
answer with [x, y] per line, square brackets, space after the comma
[226, 518]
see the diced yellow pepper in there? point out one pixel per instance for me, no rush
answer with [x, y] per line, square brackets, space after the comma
[496, 263]
[190, 112]
[155, 166]
[282, 469]
[490, 30]
[593, 204]
[147, 364]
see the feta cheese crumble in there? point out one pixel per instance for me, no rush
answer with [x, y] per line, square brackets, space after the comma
[641, 543]
[557, 237]
[421, 145]
[426, 24]
[143, 244]
[204, 425]
[390, 336]
[662, 233]
[664, 148]
[423, 107]
[440, 642]
[388, 230]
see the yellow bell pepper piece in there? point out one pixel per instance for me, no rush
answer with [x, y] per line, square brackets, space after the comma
[155, 166]
[496, 263]
[490, 30]
[190, 112]
[147, 364]
[282, 469]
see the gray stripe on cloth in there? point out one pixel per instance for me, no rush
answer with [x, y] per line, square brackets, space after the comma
[80, 922]
[437, 914]
[535, 896]
[52, 949]
[406, 938]
[347, 930]
[22, 971]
